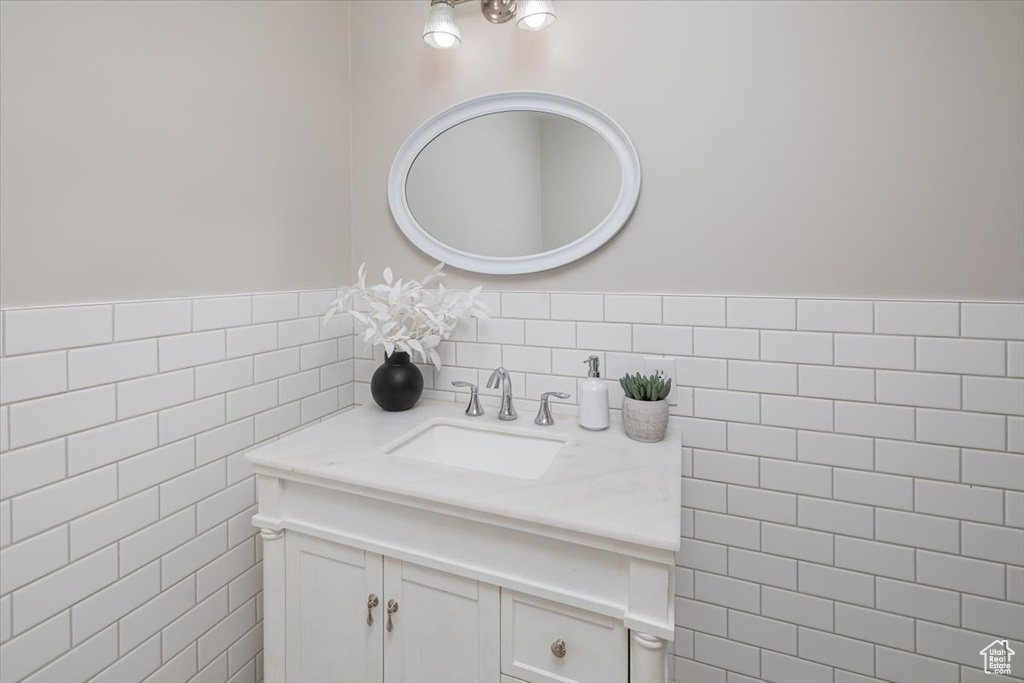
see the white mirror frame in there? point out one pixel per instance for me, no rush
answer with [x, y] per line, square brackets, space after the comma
[597, 120]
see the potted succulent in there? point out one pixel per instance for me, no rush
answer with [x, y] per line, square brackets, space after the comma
[645, 408]
[409, 320]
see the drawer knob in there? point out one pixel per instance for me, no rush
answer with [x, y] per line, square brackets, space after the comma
[558, 648]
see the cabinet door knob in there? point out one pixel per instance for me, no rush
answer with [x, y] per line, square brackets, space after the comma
[558, 648]
[371, 602]
[392, 608]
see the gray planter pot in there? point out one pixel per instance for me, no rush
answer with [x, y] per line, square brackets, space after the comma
[645, 420]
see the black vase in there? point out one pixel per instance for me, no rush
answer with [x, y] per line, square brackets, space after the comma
[397, 384]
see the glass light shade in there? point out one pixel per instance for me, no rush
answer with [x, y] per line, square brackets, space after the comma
[534, 15]
[441, 31]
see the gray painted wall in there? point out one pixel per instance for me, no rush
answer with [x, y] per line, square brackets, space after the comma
[828, 149]
[172, 148]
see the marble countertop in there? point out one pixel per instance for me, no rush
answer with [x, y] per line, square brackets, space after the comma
[600, 483]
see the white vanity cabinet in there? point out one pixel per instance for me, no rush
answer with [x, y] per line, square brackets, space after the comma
[355, 616]
[566, 577]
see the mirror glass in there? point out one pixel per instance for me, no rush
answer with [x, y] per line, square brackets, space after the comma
[513, 183]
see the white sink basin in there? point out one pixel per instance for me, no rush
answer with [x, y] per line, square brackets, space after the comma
[509, 452]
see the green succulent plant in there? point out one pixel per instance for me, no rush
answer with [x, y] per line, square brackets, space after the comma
[650, 388]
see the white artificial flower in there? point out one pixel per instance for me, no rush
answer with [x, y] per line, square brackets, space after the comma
[405, 315]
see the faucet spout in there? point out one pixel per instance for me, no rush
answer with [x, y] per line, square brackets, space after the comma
[500, 376]
[497, 377]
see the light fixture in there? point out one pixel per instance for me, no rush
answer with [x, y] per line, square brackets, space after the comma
[442, 32]
[534, 15]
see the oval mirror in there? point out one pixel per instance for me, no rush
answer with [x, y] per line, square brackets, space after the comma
[514, 182]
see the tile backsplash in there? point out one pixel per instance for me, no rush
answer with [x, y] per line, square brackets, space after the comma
[126, 549]
[853, 489]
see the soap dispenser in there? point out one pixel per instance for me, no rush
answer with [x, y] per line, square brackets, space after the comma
[593, 398]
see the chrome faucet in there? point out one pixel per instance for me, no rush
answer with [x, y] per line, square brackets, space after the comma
[507, 412]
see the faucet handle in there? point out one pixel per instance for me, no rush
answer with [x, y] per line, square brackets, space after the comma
[473, 409]
[557, 394]
[544, 417]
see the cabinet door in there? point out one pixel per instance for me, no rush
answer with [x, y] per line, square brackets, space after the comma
[446, 628]
[328, 638]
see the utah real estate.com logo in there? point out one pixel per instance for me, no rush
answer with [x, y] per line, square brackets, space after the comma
[997, 657]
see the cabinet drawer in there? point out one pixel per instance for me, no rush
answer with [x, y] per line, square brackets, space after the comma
[595, 646]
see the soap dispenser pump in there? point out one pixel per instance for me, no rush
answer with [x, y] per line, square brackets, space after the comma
[593, 412]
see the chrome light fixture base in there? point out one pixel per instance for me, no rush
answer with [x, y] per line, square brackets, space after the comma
[498, 11]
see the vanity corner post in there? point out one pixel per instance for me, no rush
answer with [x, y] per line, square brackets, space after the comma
[273, 605]
[648, 658]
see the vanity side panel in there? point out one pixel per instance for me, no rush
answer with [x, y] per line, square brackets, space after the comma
[649, 583]
[274, 604]
[268, 491]
[648, 658]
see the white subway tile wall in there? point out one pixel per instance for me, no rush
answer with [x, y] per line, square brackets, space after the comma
[126, 548]
[853, 476]
[852, 489]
